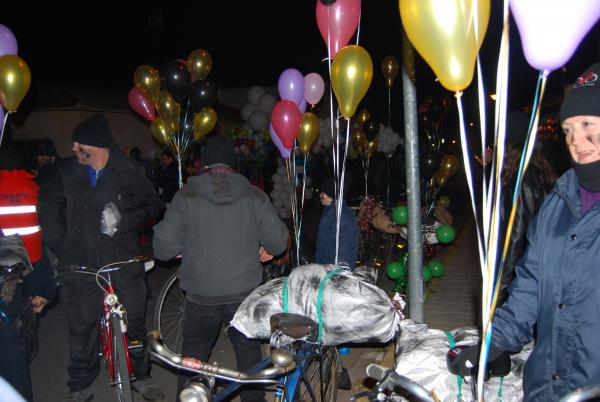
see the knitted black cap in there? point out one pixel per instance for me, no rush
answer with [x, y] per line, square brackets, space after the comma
[584, 97]
[44, 148]
[328, 186]
[93, 131]
[218, 149]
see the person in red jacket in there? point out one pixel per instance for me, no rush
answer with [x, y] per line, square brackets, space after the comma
[18, 217]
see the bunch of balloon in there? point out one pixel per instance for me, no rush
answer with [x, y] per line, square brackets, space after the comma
[177, 100]
[431, 117]
[389, 69]
[15, 77]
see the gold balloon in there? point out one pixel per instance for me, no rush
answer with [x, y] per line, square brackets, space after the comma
[351, 75]
[309, 132]
[15, 79]
[371, 148]
[160, 131]
[448, 165]
[389, 69]
[443, 32]
[199, 63]
[204, 121]
[169, 110]
[362, 116]
[147, 80]
[359, 140]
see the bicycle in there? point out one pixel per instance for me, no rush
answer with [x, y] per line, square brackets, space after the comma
[114, 348]
[306, 371]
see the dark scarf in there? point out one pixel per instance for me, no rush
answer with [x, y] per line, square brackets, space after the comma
[588, 175]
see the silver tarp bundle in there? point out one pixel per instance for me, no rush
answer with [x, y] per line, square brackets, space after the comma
[13, 252]
[353, 309]
[422, 358]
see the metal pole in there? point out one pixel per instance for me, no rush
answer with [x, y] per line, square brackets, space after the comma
[413, 192]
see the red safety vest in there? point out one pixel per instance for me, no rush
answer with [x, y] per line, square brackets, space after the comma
[18, 210]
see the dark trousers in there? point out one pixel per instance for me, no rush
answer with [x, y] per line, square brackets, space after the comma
[83, 300]
[200, 332]
[13, 366]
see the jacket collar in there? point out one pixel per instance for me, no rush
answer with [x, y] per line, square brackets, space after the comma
[567, 188]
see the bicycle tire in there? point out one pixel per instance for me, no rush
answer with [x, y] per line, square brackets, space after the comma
[169, 314]
[122, 381]
[320, 377]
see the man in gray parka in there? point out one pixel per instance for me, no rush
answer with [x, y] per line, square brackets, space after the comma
[224, 228]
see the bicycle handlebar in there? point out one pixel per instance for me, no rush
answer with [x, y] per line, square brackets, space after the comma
[282, 360]
[589, 393]
[389, 380]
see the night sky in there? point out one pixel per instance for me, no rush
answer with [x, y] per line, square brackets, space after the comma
[100, 43]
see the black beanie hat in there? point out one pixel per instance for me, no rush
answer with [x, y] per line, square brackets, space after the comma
[93, 131]
[584, 97]
[218, 149]
[328, 186]
[44, 148]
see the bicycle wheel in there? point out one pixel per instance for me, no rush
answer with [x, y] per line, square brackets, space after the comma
[320, 377]
[122, 382]
[169, 314]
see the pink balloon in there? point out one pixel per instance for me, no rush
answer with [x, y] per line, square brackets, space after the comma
[551, 30]
[313, 88]
[337, 23]
[283, 151]
[286, 119]
[141, 105]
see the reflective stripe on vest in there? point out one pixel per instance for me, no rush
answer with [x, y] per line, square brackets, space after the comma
[21, 209]
[21, 231]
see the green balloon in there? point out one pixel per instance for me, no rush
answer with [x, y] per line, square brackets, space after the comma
[436, 267]
[444, 201]
[445, 233]
[400, 215]
[395, 270]
[426, 273]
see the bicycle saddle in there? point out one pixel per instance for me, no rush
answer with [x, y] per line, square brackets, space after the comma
[295, 325]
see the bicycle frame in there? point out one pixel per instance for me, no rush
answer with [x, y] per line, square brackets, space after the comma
[112, 307]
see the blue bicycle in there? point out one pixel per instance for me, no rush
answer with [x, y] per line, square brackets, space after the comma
[298, 369]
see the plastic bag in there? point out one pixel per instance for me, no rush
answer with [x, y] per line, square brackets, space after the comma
[353, 308]
[422, 358]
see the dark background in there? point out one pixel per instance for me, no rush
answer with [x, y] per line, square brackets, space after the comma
[100, 43]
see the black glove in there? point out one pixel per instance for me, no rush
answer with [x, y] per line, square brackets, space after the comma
[464, 361]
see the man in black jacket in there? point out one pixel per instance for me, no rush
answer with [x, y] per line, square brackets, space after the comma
[225, 228]
[105, 199]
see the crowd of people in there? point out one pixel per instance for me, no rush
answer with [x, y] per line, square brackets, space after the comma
[88, 210]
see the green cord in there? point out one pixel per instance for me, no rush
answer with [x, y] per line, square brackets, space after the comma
[285, 295]
[459, 379]
[320, 301]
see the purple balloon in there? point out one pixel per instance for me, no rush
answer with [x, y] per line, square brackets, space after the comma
[547, 48]
[8, 42]
[283, 151]
[302, 106]
[291, 86]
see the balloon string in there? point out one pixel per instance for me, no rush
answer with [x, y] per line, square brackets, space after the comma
[340, 198]
[3, 126]
[291, 197]
[358, 29]
[390, 107]
[301, 211]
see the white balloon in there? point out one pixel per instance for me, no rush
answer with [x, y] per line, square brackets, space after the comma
[279, 186]
[266, 103]
[247, 110]
[273, 194]
[258, 120]
[254, 93]
[277, 203]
